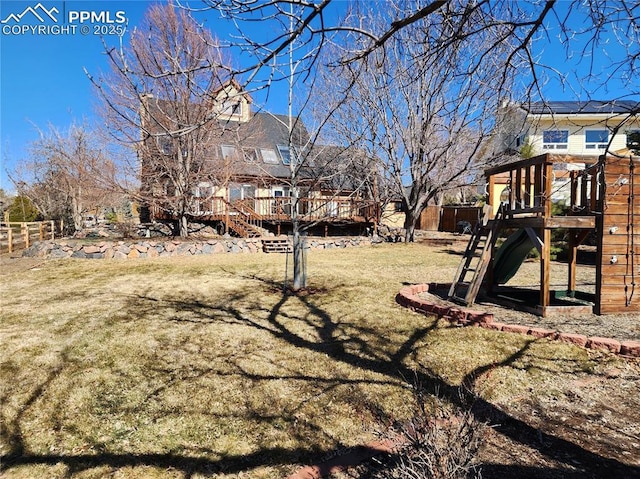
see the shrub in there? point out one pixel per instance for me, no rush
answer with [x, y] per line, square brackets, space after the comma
[439, 442]
[22, 209]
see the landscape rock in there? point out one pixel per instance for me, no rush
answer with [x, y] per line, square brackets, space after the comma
[119, 249]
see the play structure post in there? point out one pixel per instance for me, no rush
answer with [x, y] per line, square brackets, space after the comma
[545, 263]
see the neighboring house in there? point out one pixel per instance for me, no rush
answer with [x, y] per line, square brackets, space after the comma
[573, 128]
[247, 186]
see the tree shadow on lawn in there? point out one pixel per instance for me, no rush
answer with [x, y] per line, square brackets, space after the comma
[355, 351]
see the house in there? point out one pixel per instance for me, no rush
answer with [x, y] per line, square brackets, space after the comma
[243, 183]
[582, 131]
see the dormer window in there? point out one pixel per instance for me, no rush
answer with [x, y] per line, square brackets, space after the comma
[231, 108]
[596, 139]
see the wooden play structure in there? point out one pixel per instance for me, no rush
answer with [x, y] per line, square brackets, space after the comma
[603, 200]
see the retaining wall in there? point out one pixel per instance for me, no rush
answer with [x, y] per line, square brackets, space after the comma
[161, 248]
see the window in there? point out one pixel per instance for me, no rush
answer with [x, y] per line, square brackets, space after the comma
[203, 190]
[250, 155]
[596, 139]
[229, 152]
[239, 192]
[280, 191]
[331, 208]
[555, 139]
[285, 153]
[269, 156]
[165, 144]
[633, 140]
[231, 107]
[281, 202]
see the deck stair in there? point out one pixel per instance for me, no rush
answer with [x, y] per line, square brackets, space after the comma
[243, 228]
[475, 260]
[244, 220]
[277, 244]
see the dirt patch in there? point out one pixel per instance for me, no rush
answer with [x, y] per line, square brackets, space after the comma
[587, 427]
[10, 264]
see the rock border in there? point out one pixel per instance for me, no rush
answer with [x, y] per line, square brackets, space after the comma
[60, 249]
[408, 297]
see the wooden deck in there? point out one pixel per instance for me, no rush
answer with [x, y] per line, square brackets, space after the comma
[251, 217]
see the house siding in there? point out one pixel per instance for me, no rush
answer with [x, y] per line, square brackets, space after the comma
[576, 128]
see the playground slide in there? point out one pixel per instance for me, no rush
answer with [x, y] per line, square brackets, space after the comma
[510, 256]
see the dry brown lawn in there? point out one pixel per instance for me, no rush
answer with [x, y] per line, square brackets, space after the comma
[202, 367]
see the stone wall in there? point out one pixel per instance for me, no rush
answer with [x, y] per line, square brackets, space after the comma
[162, 248]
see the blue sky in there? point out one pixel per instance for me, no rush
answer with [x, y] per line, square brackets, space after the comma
[42, 79]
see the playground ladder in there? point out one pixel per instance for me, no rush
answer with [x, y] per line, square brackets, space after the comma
[475, 261]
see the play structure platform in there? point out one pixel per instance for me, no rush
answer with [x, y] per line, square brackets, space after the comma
[602, 203]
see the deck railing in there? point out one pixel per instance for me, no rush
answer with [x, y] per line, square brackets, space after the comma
[278, 208]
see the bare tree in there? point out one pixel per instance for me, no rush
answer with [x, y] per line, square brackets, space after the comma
[63, 176]
[424, 115]
[161, 98]
[600, 36]
[5, 201]
[321, 176]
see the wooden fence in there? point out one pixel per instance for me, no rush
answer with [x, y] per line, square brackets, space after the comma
[446, 218]
[17, 236]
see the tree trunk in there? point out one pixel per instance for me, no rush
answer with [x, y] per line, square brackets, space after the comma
[299, 266]
[183, 226]
[299, 275]
[410, 221]
[76, 214]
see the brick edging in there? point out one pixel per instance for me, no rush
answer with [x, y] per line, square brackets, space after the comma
[341, 463]
[408, 297]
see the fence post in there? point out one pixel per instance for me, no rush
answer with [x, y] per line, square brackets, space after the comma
[53, 229]
[24, 228]
[10, 238]
[41, 231]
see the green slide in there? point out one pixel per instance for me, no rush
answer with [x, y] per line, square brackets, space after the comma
[510, 256]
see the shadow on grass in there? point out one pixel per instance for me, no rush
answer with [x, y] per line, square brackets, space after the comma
[329, 339]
